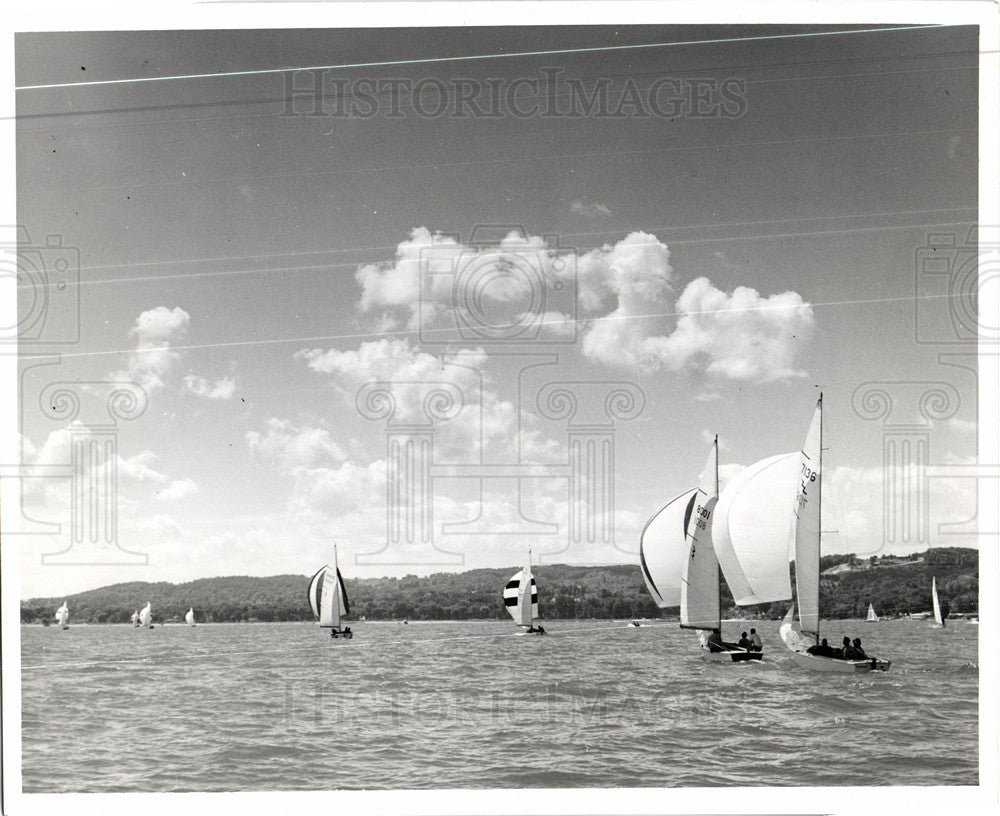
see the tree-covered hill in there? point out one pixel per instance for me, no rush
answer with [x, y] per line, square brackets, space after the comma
[895, 585]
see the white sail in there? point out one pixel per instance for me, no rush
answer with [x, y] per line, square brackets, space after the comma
[937, 604]
[189, 617]
[872, 617]
[700, 581]
[662, 554]
[328, 596]
[135, 618]
[146, 616]
[520, 596]
[751, 531]
[62, 615]
[806, 519]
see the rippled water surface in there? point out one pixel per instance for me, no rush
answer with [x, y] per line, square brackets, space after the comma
[470, 705]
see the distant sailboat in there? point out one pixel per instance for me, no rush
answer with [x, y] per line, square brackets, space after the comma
[62, 616]
[328, 599]
[189, 617]
[872, 617]
[520, 597]
[135, 618]
[938, 619]
[146, 616]
[806, 528]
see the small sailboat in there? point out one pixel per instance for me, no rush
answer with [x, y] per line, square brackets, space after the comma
[135, 618]
[520, 597]
[684, 527]
[803, 639]
[189, 617]
[938, 619]
[62, 616]
[328, 599]
[146, 616]
[872, 617]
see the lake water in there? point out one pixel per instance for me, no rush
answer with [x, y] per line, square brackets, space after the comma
[471, 705]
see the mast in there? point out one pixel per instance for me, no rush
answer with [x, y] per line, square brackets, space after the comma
[819, 514]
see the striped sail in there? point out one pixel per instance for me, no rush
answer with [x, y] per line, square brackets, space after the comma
[700, 582]
[751, 531]
[328, 597]
[662, 552]
[189, 617]
[62, 615]
[520, 597]
[806, 521]
[937, 604]
[146, 615]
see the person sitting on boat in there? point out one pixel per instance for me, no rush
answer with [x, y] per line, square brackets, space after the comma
[853, 651]
[756, 644]
[744, 642]
[541, 629]
[715, 643]
[822, 649]
[840, 653]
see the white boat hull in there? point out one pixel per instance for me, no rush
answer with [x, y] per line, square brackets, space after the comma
[737, 656]
[833, 665]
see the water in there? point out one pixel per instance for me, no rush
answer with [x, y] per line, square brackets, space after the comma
[470, 705]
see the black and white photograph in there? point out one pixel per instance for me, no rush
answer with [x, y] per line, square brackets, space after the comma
[500, 408]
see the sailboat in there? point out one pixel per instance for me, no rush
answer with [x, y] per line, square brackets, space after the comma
[146, 616]
[328, 599]
[938, 619]
[520, 597]
[135, 618]
[189, 617]
[806, 528]
[62, 616]
[684, 527]
[872, 617]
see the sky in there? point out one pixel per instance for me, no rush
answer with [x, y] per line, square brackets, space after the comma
[455, 308]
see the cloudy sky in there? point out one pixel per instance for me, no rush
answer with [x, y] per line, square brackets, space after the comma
[440, 331]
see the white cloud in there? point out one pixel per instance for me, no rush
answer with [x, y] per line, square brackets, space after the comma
[294, 446]
[221, 389]
[155, 330]
[177, 489]
[138, 467]
[590, 209]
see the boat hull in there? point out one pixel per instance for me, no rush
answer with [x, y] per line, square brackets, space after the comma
[832, 665]
[739, 656]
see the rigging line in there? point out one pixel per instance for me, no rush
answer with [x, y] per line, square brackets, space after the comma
[473, 57]
[382, 95]
[379, 335]
[354, 264]
[363, 644]
[602, 154]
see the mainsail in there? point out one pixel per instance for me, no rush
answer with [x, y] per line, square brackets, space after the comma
[806, 519]
[189, 617]
[62, 615]
[700, 581]
[751, 530]
[135, 618]
[872, 617]
[146, 616]
[937, 604]
[662, 555]
[520, 596]
[327, 595]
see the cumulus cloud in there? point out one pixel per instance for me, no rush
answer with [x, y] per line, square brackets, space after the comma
[295, 447]
[155, 332]
[625, 292]
[590, 209]
[177, 489]
[221, 389]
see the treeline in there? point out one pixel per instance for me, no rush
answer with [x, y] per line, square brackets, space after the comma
[894, 585]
